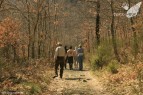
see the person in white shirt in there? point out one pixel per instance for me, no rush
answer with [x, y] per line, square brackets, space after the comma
[59, 58]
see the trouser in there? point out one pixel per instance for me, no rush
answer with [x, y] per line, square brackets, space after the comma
[80, 61]
[70, 61]
[71, 66]
[59, 61]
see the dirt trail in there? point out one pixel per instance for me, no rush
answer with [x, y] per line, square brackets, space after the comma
[76, 82]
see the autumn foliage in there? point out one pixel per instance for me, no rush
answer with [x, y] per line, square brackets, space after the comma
[9, 32]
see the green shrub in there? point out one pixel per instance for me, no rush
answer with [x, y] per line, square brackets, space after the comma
[94, 61]
[103, 55]
[113, 66]
[35, 89]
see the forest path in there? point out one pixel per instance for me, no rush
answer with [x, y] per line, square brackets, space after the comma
[76, 82]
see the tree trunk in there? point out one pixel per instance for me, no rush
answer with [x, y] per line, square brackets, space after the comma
[1, 2]
[50, 33]
[113, 33]
[98, 23]
[29, 31]
[135, 44]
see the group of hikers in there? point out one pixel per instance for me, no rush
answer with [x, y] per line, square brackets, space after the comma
[64, 56]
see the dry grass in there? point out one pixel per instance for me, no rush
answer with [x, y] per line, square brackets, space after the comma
[128, 81]
[31, 77]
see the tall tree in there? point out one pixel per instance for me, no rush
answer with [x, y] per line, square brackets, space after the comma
[135, 44]
[1, 2]
[113, 32]
[98, 22]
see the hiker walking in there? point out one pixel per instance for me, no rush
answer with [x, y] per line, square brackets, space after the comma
[66, 49]
[59, 58]
[80, 56]
[70, 55]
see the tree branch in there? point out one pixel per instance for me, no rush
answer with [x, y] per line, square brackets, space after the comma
[1, 2]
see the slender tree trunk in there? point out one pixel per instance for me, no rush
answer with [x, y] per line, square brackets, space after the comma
[97, 28]
[34, 43]
[1, 2]
[55, 18]
[113, 33]
[88, 41]
[29, 30]
[50, 33]
[15, 56]
[135, 44]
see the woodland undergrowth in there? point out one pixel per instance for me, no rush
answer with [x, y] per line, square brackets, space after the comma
[28, 78]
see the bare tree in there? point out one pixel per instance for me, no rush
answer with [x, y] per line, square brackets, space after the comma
[98, 22]
[113, 32]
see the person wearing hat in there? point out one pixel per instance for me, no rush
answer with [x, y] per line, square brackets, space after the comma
[80, 56]
[59, 58]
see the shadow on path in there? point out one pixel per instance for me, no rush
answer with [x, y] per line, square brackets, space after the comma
[74, 78]
[76, 69]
